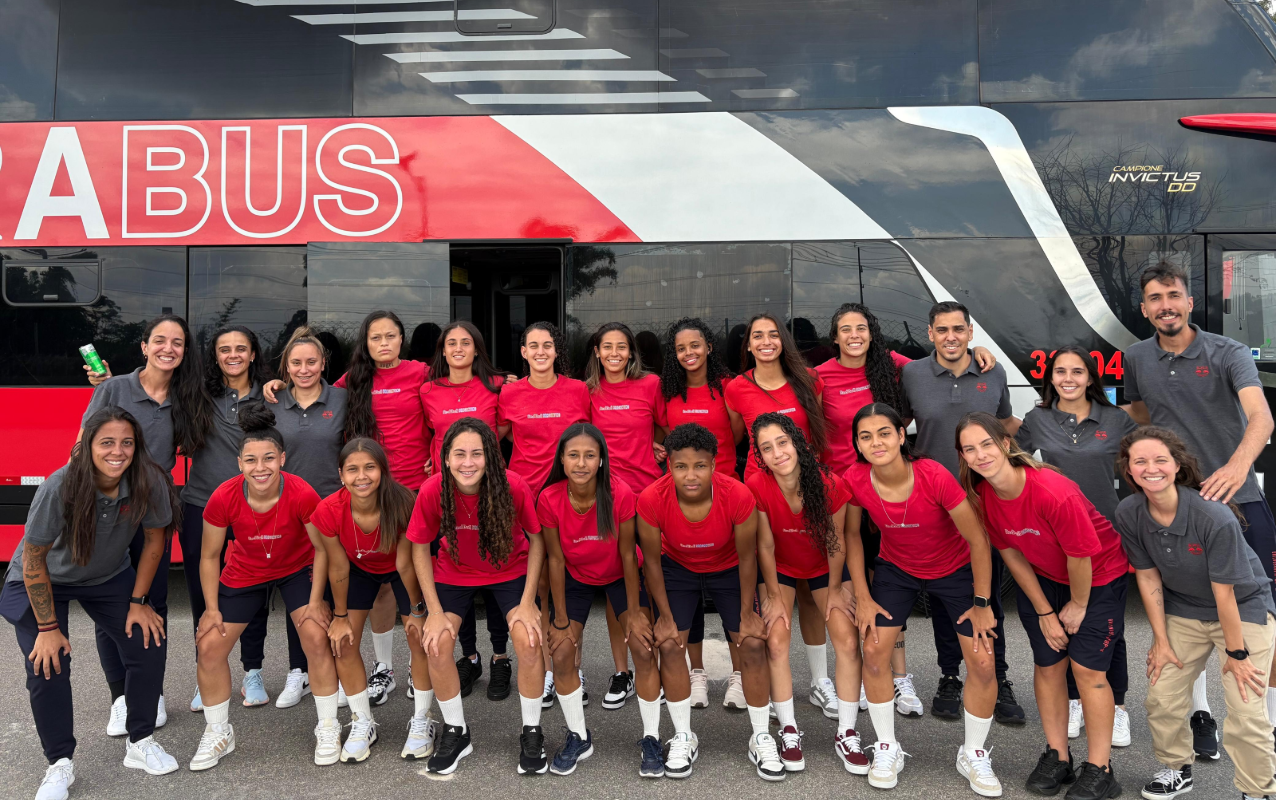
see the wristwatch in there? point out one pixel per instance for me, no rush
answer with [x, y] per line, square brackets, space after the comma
[1237, 655]
[139, 601]
[981, 602]
[419, 608]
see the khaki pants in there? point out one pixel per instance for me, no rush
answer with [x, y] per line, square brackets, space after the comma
[1247, 733]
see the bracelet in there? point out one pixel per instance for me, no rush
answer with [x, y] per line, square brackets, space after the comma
[565, 627]
[52, 626]
[343, 616]
[419, 616]
[1048, 613]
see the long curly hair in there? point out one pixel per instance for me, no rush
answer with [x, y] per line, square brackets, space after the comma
[79, 487]
[394, 500]
[603, 506]
[795, 371]
[673, 378]
[192, 407]
[816, 515]
[258, 369]
[441, 368]
[594, 367]
[496, 510]
[359, 418]
[879, 367]
[561, 367]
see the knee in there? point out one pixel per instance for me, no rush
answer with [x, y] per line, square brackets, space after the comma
[777, 644]
[876, 654]
[314, 641]
[671, 651]
[981, 667]
[523, 648]
[564, 659]
[753, 652]
[207, 653]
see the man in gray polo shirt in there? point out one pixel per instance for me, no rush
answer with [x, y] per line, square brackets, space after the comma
[939, 391]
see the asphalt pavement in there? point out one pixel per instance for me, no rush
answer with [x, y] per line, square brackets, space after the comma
[273, 756]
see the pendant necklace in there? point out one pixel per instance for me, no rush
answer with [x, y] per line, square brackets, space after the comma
[903, 522]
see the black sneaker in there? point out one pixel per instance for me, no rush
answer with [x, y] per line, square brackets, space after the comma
[653, 758]
[1205, 735]
[469, 672]
[1050, 774]
[1169, 783]
[947, 701]
[1007, 711]
[532, 759]
[1094, 783]
[452, 746]
[620, 690]
[498, 683]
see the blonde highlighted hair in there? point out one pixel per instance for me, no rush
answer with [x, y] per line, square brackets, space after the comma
[303, 335]
[1016, 455]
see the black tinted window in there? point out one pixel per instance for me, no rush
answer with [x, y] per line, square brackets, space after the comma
[28, 58]
[1116, 262]
[40, 345]
[1120, 49]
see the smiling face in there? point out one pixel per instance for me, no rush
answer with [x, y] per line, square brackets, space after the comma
[260, 462]
[613, 352]
[467, 461]
[113, 447]
[692, 350]
[305, 366]
[361, 475]
[764, 341]
[951, 334]
[165, 348]
[1070, 376]
[692, 473]
[1167, 306]
[981, 452]
[384, 341]
[581, 458]
[539, 351]
[234, 354]
[1151, 466]
[879, 440]
[853, 337]
[778, 451]
[459, 348]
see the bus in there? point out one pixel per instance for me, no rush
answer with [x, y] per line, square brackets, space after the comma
[278, 162]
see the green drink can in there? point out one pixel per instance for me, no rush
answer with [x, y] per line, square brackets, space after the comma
[89, 353]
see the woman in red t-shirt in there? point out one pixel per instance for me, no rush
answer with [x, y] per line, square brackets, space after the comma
[931, 542]
[1071, 570]
[484, 519]
[587, 519]
[464, 384]
[272, 551]
[362, 527]
[802, 508]
[626, 404]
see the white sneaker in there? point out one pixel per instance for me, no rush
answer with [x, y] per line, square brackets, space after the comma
[296, 687]
[888, 762]
[161, 714]
[907, 703]
[327, 742]
[1120, 728]
[214, 745]
[863, 698]
[363, 734]
[421, 735]
[117, 725]
[57, 780]
[684, 749]
[147, 755]
[197, 702]
[1076, 719]
[734, 698]
[699, 688]
[824, 697]
[977, 768]
[766, 757]
[342, 701]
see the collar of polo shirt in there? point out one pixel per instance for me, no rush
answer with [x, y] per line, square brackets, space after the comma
[139, 393]
[1062, 416]
[325, 389]
[1179, 526]
[122, 494]
[1193, 350]
[939, 369]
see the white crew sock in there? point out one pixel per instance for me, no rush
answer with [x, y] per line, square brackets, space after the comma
[1200, 702]
[574, 710]
[383, 646]
[326, 707]
[976, 733]
[680, 713]
[883, 716]
[531, 710]
[422, 699]
[650, 711]
[847, 714]
[1271, 706]
[784, 710]
[453, 712]
[759, 718]
[218, 714]
[817, 655]
[358, 705]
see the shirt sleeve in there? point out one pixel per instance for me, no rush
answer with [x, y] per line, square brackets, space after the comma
[1242, 372]
[839, 493]
[658, 408]
[1004, 409]
[899, 360]
[1131, 541]
[501, 400]
[546, 512]
[325, 520]
[1075, 530]
[907, 410]
[584, 407]
[1227, 554]
[159, 511]
[624, 503]
[526, 508]
[819, 381]
[743, 504]
[103, 396]
[423, 527]
[648, 506]
[1023, 437]
[45, 522]
[1128, 426]
[1131, 383]
[341, 382]
[306, 502]
[217, 512]
[948, 492]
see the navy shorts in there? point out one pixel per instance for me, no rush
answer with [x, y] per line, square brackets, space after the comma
[1259, 531]
[458, 600]
[241, 605]
[580, 597]
[1094, 643]
[363, 588]
[683, 589]
[896, 591]
[814, 584]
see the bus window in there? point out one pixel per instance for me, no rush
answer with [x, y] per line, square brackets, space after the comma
[261, 288]
[1116, 262]
[1249, 301]
[28, 59]
[504, 16]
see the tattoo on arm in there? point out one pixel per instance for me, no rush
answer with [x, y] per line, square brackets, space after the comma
[42, 603]
[338, 580]
[39, 589]
[899, 644]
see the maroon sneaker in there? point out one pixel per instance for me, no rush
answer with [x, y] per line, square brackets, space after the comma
[847, 746]
[791, 749]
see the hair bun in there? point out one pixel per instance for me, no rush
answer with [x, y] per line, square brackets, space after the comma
[255, 416]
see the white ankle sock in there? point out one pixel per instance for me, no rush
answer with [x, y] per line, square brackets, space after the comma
[531, 710]
[817, 655]
[976, 732]
[883, 716]
[1271, 706]
[359, 704]
[680, 713]
[784, 710]
[453, 712]
[650, 711]
[422, 699]
[847, 714]
[759, 718]
[326, 707]
[383, 646]
[1200, 702]
[574, 710]
[218, 714]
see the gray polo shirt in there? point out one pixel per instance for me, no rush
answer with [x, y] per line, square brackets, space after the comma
[938, 400]
[115, 532]
[1086, 450]
[218, 460]
[1195, 394]
[155, 418]
[312, 436]
[1203, 545]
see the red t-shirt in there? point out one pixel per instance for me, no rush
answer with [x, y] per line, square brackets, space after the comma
[333, 518]
[267, 546]
[626, 413]
[539, 417]
[918, 535]
[445, 402]
[846, 391]
[467, 567]
[1051, 520]
[708, 408]
[707, 545]
[795, 554]
[590, 558]
[396, 406]
[749, 401]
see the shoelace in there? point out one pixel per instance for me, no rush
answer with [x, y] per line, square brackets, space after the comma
[149, 747]
[1121, 722]
[208, 742]
[573, 745]
[950, 689]
[765, 746]
[447, 742]
[619, 683]
[253, 680]
[851, 744]
[57, 773]
[295, 682]
[1088, 779]
[328, 736]
[680, 749]
[1004, 693]
[1168, 777]
[827, 689]
[361, 729]
[791, 739]
[651, 750]
[700, 677]
[904, 686]
[419, 728]
[378, 682]
[533, 743]
[888, 757]
[1075, 713]
[982, 765]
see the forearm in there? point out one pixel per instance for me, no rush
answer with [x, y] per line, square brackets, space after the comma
[149, 560]
[1229, 615]
[423, 563]
[749, 583]
[1257, 433]
[1027, 580]
[1153, 594]
[1080, 579]
[837, 560]
[407, 572]
[855, 554]
[981, 565]
[35, 575]
[210, 575]
[633, 578]
[339, 584]
[535, 562]
[765, 563]
[558, 585]
[319, 576]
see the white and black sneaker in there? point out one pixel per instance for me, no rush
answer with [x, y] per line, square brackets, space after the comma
[548, 698]
[296, 687]
[766, 757]
[620, 690]
[531, 758]
[1169, 783]
[380, 684]
[684, 749]
[452, 746]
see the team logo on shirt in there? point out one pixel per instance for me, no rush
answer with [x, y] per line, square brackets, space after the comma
[786, 410]
[328, 415]
[981, 387]
[856, 389]
[695, 411]
[1202, 370]
[124, 509]
[547, 415]
[624, 407]
[1100, 434]
[1023, 532]
[1195, 549]
[459, 410]
[386, 391]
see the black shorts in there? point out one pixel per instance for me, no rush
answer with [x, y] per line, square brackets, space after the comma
[896, 591]
[241, 605]
[364, 587]
[580, 597]
[814, 584]
[683, 589]
[458, 600]
[1095, 641]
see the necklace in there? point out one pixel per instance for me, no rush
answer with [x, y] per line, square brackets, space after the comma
[903, 523]
[575, 505]
[273, 530]
[359, 552]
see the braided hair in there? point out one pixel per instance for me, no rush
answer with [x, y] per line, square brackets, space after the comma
[496, 510]
[816, 515]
